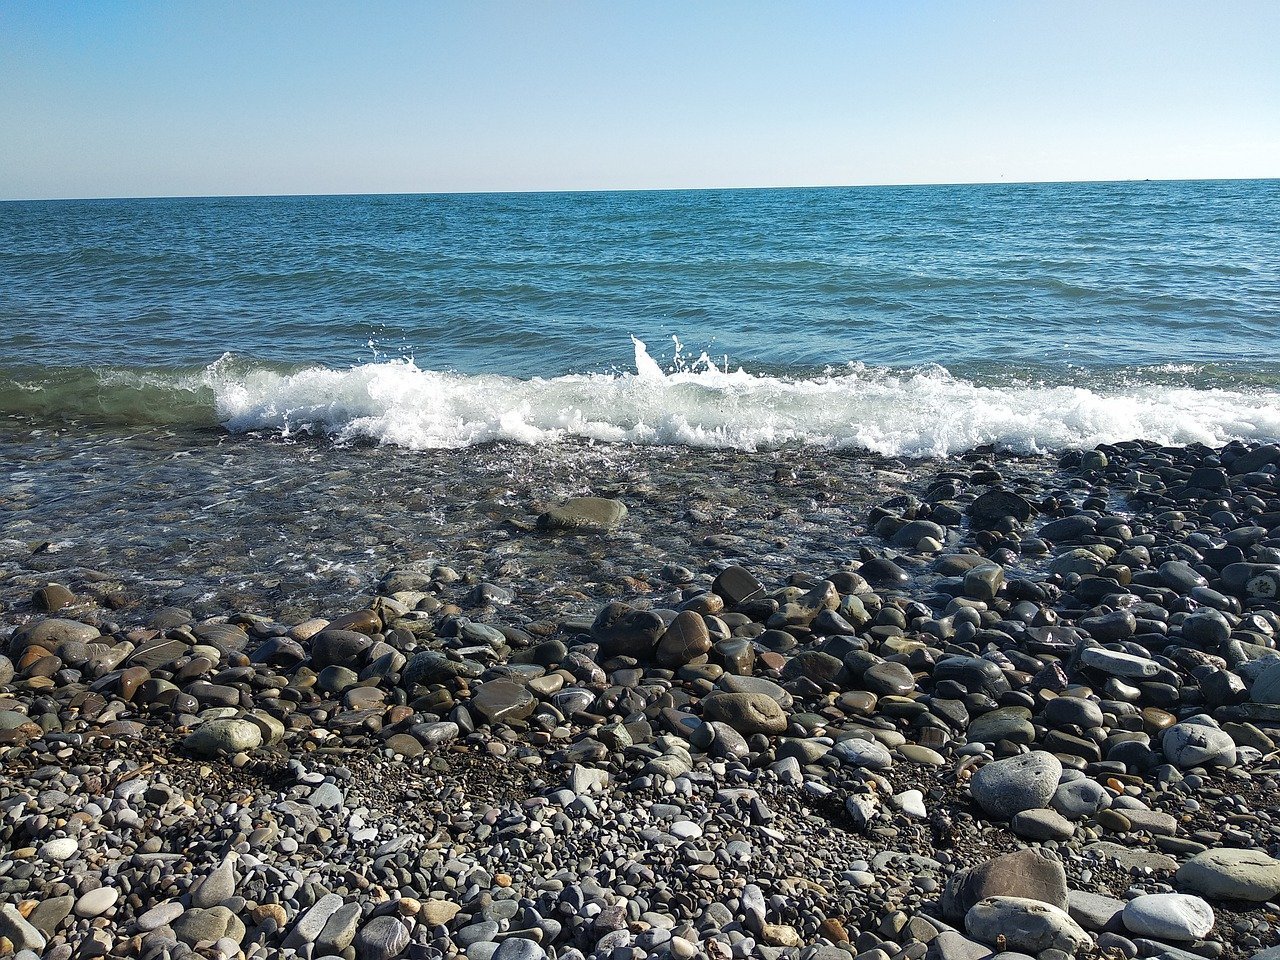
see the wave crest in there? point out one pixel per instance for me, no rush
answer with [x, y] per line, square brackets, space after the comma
[925, 412]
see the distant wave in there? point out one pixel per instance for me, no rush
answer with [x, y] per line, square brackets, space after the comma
[922, 412]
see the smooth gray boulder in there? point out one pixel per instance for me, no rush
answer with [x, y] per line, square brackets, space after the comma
[1027, 925]
[1024, 782]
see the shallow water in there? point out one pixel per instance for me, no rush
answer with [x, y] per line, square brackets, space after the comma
[289, 529]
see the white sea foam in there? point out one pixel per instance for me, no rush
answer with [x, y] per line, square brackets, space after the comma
[921, 413]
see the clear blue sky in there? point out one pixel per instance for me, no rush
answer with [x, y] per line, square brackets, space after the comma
[109, 98]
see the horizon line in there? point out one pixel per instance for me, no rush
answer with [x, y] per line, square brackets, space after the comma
[590, 190]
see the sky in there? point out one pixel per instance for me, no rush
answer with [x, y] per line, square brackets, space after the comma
[110, 99]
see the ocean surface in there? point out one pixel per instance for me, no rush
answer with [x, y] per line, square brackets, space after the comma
[906, 321]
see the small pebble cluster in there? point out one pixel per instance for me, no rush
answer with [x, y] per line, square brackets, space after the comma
[1027, 714]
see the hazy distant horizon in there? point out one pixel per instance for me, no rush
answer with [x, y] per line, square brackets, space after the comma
[138, 98]
[695, 189]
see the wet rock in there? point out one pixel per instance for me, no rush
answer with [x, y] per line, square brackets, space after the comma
[501, 701]
[624, 631]
[584, 514]
[685, 641]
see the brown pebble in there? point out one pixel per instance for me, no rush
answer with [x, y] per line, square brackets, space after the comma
[1154, 719]
[272, 910]
[833, 930]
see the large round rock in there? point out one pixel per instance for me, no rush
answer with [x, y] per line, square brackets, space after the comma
[584, 513]
[686, 640]
[1027, 925]
[1231, 874]
[747, 713]
[1173, 917]
[225, 735]
[1188, 745]
[1024, 782]
[623, 631]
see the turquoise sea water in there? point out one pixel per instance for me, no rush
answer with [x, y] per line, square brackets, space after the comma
[905, 320]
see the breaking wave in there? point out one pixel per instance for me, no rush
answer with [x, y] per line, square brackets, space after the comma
[921, 412]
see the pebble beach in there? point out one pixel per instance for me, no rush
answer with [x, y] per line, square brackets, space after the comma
[520, 703]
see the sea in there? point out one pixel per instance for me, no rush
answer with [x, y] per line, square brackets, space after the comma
[919, 321]
[284, 396]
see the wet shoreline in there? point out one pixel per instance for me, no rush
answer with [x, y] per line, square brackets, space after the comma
[795, 705]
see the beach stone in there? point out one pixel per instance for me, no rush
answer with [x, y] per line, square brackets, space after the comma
[1207, 628]
[1073, 711]
[747, 713]
[1266, 686]
[55, 851]
[1027, 873]
[436, 913]
[915, 753]
[97, 902]
[382, 938]
[53, 597]
[1042, 825]
[1117, 664]
[984, 582]
[911, 802]
[1024, 924]
[1188, 745]
[994, 505]
[586, 514]
[22, 934]
[49, 914]
[518, 948]
[197, 925]
[1006, 723]
[975, 674]
[57, 630]
[1093, 911]
[889, 679]
[1068, 528]
[951, 945]
[1230, 874]
[1130, 858]
[342, 648]
[622, 630]
[218, 887]
[162, 914]
[502, 701]
[1174, 917]
[757, 685]
[1180, 576]
[856, 752]
[737, 586]
[1024, 782]
[684, 641]
[312, 923]
[1080, 561]
[227, 735]
[813, 665]
[432, 666]
[1078, 799]
[340, 930]
[326, 796]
